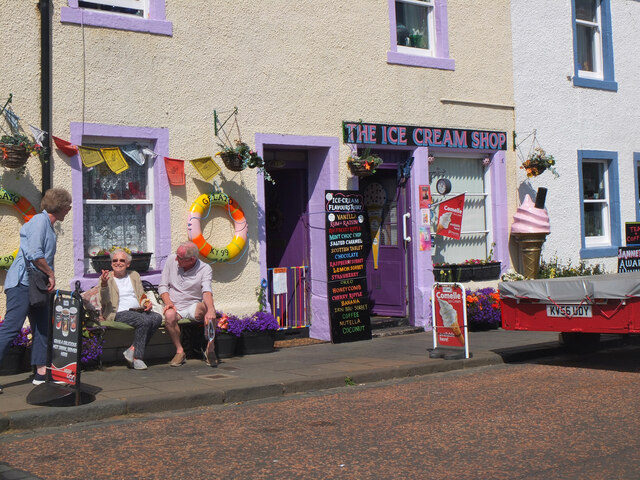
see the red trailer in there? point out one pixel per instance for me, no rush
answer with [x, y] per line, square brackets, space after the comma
[579, 307]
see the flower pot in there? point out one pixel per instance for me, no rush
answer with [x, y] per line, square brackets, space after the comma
[139, 262]
[16, 360]
[225, 345]
[358, 167]
[255, 342]
[13, 156]
[453, 273]
[232, 161]
[486, 271]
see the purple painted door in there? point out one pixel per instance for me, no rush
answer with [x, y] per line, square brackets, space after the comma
[286, 222]
[385, 202]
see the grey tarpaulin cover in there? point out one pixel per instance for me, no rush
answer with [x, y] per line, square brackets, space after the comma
[574, 289]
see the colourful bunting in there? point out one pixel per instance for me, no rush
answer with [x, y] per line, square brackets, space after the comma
[207, 167]
[65, 147]
[132, 151]
[175, 170]
[90, 156]
[115, 160]
[38, 134]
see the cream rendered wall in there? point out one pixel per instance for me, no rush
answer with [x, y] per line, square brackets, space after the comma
[568, 118]
[297, 68]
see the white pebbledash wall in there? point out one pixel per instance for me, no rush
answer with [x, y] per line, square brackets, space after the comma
[569, 118]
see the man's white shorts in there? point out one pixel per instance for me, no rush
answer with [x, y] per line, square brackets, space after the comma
[189, 312]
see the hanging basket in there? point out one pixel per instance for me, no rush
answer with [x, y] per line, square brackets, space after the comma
[232, 161]
[358, 166]
[13, 156]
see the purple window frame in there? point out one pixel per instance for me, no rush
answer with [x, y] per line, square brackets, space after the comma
[158, 136]
[156, 23]
[441, 59]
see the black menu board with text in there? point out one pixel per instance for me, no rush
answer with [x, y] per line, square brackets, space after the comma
[347, 239]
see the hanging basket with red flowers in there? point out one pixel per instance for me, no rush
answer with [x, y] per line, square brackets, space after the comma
[365, 165]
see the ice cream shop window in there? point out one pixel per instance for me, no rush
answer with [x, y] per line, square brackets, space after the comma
[466, 175]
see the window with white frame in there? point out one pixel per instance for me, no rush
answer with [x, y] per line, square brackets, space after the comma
[467, 175]
[118, 208]
[139, 8]
[414, 41]
[589, 38]
[595, 202]
[135, 15]
[593, 45]
[415, 26]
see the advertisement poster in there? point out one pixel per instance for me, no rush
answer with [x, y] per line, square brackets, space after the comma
[450, 217]
[425, 196]
[449, 311]
[346, 230]
[66, 335]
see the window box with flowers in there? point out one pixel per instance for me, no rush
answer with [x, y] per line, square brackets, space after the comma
[140, 261]
[472, 270]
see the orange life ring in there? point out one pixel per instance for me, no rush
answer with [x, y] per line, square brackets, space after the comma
[25, 209]
[239, 240]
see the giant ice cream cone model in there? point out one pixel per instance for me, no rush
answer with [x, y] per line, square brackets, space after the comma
[450, 319]
[530, 229]
[375, 197]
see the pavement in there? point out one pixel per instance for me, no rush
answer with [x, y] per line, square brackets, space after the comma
[117, 390]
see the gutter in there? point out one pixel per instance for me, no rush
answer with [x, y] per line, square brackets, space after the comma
[46, 87]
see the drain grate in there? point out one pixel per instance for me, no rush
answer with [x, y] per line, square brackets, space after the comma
[214, 377]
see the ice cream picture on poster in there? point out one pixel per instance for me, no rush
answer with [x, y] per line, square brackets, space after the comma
[375, 198]
[450, 217]
[449, 316]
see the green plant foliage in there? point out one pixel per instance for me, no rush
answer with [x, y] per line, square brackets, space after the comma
[554, 268]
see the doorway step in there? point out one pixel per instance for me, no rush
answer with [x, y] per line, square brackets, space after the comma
[390, 326]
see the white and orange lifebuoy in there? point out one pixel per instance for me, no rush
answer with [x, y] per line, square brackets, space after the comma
[25, 209]
[239, 240]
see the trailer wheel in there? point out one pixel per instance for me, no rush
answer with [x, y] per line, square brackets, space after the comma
[580, 342]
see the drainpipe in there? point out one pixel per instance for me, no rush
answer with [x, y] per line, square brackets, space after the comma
[46, 87]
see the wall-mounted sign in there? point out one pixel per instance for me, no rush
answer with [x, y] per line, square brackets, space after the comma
[632, 233]
[346, 230]
[450, 217]
[409, 135]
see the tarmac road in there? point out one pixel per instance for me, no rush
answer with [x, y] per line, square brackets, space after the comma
[565, 417]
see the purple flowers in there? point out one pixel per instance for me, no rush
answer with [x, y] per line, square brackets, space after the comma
[24, 338]
[91, 347]
[229, 324]
[483, 309]
[259, 322]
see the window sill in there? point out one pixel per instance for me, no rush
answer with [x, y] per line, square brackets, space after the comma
[593, 252]
[596, 84]
[97, 18]
[421, 61]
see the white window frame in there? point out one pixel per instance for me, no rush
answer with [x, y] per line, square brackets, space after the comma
[430, 6]
[140, 5]
[605, 238]
[598, 71]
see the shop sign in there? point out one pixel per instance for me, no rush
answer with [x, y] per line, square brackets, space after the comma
[632, 233]
[449, 316]
[628, 259]
[346, 230]
[408, 135]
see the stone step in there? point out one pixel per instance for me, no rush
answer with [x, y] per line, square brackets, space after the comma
[393, 331]
[378, 323]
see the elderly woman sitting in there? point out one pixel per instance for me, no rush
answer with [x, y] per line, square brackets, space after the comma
[123, 300]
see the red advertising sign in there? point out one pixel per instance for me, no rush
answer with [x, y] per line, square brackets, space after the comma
[449, 312]
[450, 217]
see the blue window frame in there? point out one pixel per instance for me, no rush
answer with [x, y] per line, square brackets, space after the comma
[599, 203]
[593, 45]
[419, 34]
[96, 13]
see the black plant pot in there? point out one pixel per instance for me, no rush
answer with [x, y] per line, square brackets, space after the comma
[16, 360]
[225, 345]
[256, 342]
[139, 262]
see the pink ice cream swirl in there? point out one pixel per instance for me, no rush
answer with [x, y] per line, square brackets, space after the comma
[529, 219]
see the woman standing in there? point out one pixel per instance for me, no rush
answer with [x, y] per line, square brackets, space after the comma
[123, 300]
[37, 250]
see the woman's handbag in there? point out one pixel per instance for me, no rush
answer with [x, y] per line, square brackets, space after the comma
[38, 288]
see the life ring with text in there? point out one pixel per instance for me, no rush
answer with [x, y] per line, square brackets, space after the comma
[25, 209]
[239, 240]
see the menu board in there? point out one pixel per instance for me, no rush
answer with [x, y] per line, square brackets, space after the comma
[632, 233]
[346, 230]
[628, 259]
[65, 339]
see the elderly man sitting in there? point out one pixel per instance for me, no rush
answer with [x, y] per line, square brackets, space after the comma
[185, 289]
